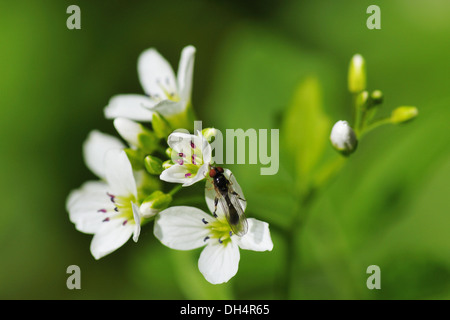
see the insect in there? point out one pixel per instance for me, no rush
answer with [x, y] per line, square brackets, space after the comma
[229, 201]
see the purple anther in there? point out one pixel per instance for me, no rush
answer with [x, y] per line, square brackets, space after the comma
[187, 175]
[111, 196]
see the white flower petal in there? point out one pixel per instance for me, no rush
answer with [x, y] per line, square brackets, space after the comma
[168, 108]
[219, 262]
[119, 174]
[137, 221]
[180, 141]
[201, 174]
[94, 150]
[156, 74]
[175, 174]
[205, 147]
[131, 106]
[179, 174]
[111, 236]
[257, 238]
[128, 130]
[185, 71]
[182, 228]
[85, 203]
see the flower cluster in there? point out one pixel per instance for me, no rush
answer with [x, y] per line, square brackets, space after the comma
[133, 176]
[343, 137]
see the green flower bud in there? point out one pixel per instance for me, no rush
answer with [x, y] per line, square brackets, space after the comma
[209, 133]
[169, 152]
[160, 125]
[148, 141]
[154, 203]
[377, 97]
[362, 100]
[343, 138]
[167, 164]
[403, 114]
[137, 135]
[153, 165]
[357, 74]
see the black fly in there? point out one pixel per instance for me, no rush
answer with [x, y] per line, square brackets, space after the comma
[229, 201]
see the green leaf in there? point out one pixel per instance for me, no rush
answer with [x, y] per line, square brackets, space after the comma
[304, 131]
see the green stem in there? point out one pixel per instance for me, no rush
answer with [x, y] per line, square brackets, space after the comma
[175, 189]
[357, 115]
[373, 126]
[290, 235]
[190, 200]
[300, 218]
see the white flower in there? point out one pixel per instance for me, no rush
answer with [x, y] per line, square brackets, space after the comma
[191, 155]
[187, 228]
[107, 208]
[343, 138]
[165, 93]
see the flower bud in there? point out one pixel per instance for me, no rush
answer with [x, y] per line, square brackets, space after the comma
[153, 165]
[160, 125]
[167, 164]
[209, 133]
[357, 74]
[136, 134]
[404, 114]
[343, 138]
[169, 152]
[154, 203]
[362, 100]
[377, 97]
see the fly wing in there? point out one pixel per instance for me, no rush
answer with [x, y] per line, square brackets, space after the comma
[223, 205]
[236, 217]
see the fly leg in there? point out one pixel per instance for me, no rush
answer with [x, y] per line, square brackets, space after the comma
[237, 195]
[216, 201]
[234, 192]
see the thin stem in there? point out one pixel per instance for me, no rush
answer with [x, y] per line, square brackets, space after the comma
[175, 189]
[358, 114]
[190, 200]
[374, 125]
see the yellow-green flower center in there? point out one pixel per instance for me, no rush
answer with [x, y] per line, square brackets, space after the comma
[123, 209]
[220, 230]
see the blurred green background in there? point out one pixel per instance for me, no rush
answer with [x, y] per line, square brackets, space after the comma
[389, 206]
